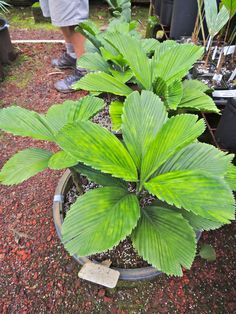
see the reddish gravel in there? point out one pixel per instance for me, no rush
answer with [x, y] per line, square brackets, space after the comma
[38, 276]
[17, 34]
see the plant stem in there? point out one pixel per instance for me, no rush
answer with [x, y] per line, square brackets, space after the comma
[77, 180]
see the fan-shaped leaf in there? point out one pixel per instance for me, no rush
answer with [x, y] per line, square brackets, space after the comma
[215, 20]
[149, 45]
[231, 177]
[230, 6]
[115, 111]
[196, 222]
[71, 111]
[196, 85]
[197, 100]
[20, 121]
[102, 82]
[165, 239]
[98, 148]
[177, 132]
[175, 63]
[175, 93]
[99, 220]
[198, 156]
[24, 165]
[143, 117]
[93, 61]
[62, 160]
[202, 193]
[122, 76]
[132, 51]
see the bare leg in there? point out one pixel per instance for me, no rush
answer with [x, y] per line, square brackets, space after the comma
[75, 38]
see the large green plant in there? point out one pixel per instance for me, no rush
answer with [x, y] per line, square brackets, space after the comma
[160, 184]
[100, 55]
[163, 73]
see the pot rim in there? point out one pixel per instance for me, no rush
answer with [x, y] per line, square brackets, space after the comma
[134, 274]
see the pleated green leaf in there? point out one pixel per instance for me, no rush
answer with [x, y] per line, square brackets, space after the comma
[197, 100]
[61, 160]
[199, 223]
[20, 121]
[230, 6]
[143, 117]
[98, 148]
[196, 85]
[23, 165]
[196, 222]
[160, 88]
[133, 52]
[198, 156]
[98, 177]
[115, 111]
[215, 20]
[71, 111]
[175, 63]
[149, 45]
[202, 193]
[165, 239]
[122, 76]
[162, 49]
[177, 132]
[175, 94]
[102, 82]
[230, 177]
[99, 220]
[94, 62]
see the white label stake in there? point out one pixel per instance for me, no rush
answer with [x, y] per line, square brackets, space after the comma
[99, 274]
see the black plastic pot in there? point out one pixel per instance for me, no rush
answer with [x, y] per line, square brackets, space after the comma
[65, 183]
[183, 18]
[21, 3]
[7, 53]
[157, 7]
[226, 130]
[166, 12]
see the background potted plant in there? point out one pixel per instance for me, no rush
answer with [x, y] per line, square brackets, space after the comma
[7, 53]
[158, 185]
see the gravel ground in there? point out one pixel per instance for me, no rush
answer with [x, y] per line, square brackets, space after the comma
[38, 276]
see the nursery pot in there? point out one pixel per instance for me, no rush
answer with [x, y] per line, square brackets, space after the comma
[166, 12]
[226, 130]
[157, 7]
[7, 53]
[64, 185]
[183, 18]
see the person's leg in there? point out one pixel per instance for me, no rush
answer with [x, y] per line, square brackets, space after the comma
[66, 14]
[76, 39]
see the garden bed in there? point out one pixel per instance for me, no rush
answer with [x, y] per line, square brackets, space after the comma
[37, 275]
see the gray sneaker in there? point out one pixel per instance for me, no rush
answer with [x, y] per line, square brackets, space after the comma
[65, 86]
[64, 62]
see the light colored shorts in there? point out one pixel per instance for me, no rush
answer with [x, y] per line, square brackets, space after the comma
[65, 12]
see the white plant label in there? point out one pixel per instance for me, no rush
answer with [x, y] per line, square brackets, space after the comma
[100, 274]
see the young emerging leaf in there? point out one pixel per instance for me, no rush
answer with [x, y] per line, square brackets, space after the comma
[207, 252]
[143, 117]
[176, 133]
